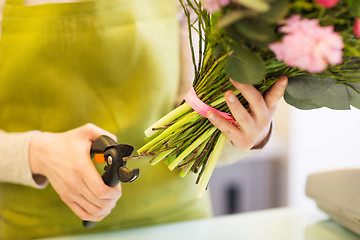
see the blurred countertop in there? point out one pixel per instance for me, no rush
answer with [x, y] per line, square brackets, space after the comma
[286, 223]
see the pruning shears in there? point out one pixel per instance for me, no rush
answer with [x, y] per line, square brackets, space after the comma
[105, 149]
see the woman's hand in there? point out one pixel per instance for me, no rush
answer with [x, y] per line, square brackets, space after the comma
[253, 123]
[64, 159]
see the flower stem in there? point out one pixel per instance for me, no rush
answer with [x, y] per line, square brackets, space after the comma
[211, 165]
[189, 149]
[188, 118]
[161, 156]
[171, 116]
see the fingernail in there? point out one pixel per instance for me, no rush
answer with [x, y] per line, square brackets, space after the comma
[211, 116]
[284, 80]
[231, 98]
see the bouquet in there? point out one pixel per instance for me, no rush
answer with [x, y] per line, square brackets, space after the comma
[313, 42]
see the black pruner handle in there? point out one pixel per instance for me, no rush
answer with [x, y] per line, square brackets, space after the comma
[115, 170]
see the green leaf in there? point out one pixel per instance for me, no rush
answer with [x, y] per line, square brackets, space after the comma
[255, 31]
[335, 97]
[305, 87]
[278, 10]
[244, 66]
[229, 18]
[219, 50]
[256, 5]
[354, 94]
[355, 85]
[303, 104]
[232, 33]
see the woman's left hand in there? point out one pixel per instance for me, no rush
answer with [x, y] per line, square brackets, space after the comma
[253, 123]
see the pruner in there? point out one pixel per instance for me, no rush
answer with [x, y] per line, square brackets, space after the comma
[105, 149]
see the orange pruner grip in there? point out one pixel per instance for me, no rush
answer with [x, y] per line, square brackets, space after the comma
[99, 158]
[105, 149]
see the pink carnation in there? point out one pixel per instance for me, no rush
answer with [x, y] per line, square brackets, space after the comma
[215, 5]
[307, 45]
[327, 3]
[357, 27]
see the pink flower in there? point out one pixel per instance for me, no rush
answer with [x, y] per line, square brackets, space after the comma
[327, 3]
[357, 27]
[215, 5]
[307, 45]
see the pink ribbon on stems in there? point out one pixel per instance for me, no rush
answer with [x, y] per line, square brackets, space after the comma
[202, 108]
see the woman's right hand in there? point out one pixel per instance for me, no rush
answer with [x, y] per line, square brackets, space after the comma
[64, 159]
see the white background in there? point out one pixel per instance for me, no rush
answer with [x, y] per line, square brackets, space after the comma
[319, 140]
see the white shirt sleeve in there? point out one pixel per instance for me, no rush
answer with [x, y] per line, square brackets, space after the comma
[14, 160]
[231, 154]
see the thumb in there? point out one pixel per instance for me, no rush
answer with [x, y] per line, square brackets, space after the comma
[93, 132]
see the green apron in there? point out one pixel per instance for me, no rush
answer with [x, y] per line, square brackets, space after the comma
[114, 63]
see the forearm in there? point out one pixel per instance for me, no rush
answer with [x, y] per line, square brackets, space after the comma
[14, 160]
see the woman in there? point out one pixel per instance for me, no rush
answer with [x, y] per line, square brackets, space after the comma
[114, 64]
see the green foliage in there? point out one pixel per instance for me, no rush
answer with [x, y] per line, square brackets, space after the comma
[353, 89]
[255, 5]
[278, 11]
[255, 32]
[305, 87]
[354, 6]
[309, 92]
[245, 66]
[233, 43]
[303, 104]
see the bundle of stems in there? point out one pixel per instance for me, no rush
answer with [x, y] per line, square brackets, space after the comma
[183, 138]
